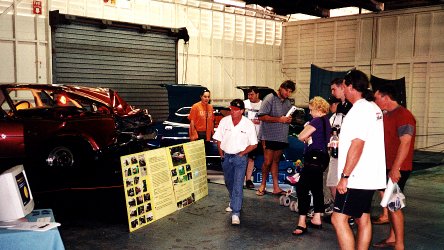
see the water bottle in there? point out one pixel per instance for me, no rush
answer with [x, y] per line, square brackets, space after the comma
[334, 141]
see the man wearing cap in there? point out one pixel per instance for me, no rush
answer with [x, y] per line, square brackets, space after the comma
[236, 137]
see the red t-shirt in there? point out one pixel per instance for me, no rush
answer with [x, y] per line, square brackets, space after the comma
[397, 123]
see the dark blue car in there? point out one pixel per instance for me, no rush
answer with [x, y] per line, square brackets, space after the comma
[175, 129]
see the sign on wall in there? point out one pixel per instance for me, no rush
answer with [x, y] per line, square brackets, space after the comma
[161, 181]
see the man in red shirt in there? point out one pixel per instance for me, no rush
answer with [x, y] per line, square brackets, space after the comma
[399, 137]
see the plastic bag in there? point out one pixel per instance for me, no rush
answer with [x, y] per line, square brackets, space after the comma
[397, 199]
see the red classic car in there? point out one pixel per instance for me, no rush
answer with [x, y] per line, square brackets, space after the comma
[37, 127]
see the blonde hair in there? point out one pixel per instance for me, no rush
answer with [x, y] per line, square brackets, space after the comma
[320, 104]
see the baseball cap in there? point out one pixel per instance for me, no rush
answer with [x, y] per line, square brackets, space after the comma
[237, 104]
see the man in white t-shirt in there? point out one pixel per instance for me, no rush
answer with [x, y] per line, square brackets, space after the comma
[252, 106]
[361, 163]
[236, 137]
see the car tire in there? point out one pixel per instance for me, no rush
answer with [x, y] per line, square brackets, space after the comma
[67, 155]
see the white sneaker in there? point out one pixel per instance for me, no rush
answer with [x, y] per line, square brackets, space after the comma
[228, 209]
[235, 220]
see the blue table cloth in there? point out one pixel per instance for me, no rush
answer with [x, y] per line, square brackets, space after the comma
[27, 240]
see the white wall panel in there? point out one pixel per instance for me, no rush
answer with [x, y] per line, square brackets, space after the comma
[26, 63]
[6, 27]
[389, 45]
[7, 70]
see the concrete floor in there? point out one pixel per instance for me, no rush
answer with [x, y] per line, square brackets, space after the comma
[264, 223]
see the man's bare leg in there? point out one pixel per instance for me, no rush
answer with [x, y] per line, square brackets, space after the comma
[344, 233]
[364, 235]
[275, 170]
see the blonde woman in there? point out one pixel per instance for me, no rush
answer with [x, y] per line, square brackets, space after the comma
[315, 135]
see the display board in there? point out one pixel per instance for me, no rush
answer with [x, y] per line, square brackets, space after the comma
[161, 181]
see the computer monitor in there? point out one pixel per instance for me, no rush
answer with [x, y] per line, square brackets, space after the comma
[16, 200]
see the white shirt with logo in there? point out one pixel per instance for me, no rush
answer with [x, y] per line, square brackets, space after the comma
[234, 139]
[251, 111]
[364, 121]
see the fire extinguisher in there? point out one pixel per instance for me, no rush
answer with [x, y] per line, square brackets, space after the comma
[37, 7]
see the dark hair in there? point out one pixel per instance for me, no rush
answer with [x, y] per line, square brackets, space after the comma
[388, 90]
[360, 82]
[332, 99]
[253, 89]
[289, 84]
[203, 92]
[337, 81]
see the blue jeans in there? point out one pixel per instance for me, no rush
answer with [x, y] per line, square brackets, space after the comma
[234, 167]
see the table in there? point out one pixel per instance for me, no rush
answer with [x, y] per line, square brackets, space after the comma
[27, 240]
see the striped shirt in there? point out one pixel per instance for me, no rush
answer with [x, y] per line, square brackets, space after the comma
[272, 105]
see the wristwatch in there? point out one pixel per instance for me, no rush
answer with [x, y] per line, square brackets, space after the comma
[344, 176]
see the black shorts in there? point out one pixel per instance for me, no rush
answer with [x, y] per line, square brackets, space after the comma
[402, 181]
[354, 202]
[275, 145]
[255, 152]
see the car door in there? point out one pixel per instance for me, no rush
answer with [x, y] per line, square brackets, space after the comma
[11, 138]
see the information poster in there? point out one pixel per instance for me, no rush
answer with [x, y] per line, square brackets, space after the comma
[159, 182]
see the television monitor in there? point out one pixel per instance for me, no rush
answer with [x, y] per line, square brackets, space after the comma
[16, 200]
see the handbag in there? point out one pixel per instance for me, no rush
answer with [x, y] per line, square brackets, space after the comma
[316, 160]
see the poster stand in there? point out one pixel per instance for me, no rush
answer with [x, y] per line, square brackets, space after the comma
[161, 181]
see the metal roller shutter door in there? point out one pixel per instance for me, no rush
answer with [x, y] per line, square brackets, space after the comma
[131, 62]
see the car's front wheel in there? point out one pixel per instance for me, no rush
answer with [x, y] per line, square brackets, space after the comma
[61, 156]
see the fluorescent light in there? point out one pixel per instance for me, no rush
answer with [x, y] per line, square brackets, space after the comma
[231, 3]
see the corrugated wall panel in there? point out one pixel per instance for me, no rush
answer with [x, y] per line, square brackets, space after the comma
[391, 45]
[128, 61]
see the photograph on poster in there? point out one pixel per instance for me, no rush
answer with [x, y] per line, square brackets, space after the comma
[143, 171]
[134, 223]
[128, 172]
[148, 207]
[144, 186]
[181, 170]
[135, 169]
[136, 180]
[130, 192]
[142, 161]
[133, 160]
[132, 202]
[149, 217]
[188, 167]
[133, 212]
[138, 190]
[129, 182]
[142, 220]
[140, 210]
[147, 197]
[190, 176]
[139, 199]
[173, 172]
[178, 155]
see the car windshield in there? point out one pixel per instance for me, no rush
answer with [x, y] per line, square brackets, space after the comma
[28, 98]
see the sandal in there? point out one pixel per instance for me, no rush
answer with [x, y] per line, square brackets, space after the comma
[380, 221]
[302, 229]
[384, 244]
[260, 192]
[282, 192]
[312, 225]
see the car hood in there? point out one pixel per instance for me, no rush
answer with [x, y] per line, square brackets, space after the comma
[106, 96]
